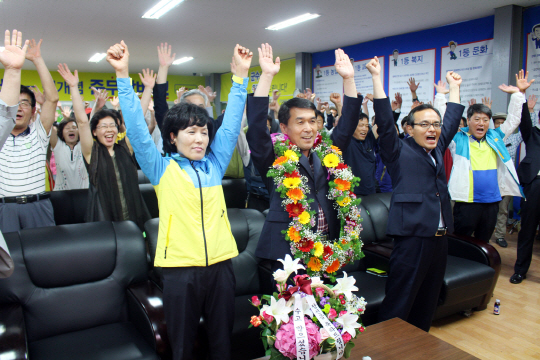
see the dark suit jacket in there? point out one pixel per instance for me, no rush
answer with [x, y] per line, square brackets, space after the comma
[272, 244]
[420, 188]
[530, 166]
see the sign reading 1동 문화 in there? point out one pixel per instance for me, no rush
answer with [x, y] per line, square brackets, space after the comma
[473, 62]
[419, 65]
[364, 82]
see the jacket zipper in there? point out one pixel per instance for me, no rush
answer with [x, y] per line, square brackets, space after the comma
[168, 233]
[202, 213]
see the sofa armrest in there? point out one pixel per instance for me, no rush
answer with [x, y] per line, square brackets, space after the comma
[476, 250]
[149, 300]
[13, 338]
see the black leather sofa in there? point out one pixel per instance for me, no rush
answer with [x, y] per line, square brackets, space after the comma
[81, 292]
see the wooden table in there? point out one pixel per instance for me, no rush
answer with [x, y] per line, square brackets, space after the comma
[397, 339]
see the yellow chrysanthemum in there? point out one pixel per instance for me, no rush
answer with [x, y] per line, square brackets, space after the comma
[291, 155]
[304, 218]
[318, 249]
[346, 201]
[291, 183]
[331, 160]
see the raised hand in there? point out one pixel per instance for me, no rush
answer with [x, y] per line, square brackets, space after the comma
[274, 105]
[101, 97]
[487, 101]
[399, 99]
[454, 79]
[180, 92]
[365, 101]
[210, 93]
[40, 98]
[312, 97]
[412, 85]
[66, 111]
[242, 58]
[509, 89]
[14, 52]
[266, 61]
[301, 95]
[374, 67]
[34, 50]
[343, 65]
[369, 97]
[416, 103]
[471, 102]
[335, 98]
[118, 57]
[148, 78]
[531, 103]
[164, 55]
[308, 93]
[71, 79]
[440, 87]
[276, 94]
[522, 81]
[115, 102]
[394, 105]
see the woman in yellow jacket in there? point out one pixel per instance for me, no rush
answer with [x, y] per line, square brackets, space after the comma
[195, 243]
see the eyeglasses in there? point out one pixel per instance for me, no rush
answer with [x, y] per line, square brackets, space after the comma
[427, 125]
[25, 104]
[107, 126]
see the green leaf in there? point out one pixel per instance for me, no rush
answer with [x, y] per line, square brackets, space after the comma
[266, 332]
[276, 355]
[250, 326]
[348, 348]
[267, 297]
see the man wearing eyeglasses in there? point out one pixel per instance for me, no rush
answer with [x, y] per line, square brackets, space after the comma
[420, 213]
[483, 171]
[23, 202]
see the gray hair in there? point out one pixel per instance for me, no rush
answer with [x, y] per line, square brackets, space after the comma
[194, 92]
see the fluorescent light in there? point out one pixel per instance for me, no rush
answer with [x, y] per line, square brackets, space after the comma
[182, 60]
[293, 21]
[97, 57]
[161, 8]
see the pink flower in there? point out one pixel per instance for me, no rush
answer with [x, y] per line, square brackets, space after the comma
[267, 318]
[319, 292]
[346, 337]
[255, 300]
[286, 340]
[342, 313]
[332, 314]
[324, 334]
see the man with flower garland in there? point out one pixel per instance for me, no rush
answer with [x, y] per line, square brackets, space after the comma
[299, 123]
[420, 214]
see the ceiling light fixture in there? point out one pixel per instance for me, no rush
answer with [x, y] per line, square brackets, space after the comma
[293, 21]
[161, 8]
[182, 60]
[97, 57]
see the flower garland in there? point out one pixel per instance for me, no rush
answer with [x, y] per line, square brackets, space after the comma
[323, 257]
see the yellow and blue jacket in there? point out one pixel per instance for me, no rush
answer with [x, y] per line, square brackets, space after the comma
[193, 226]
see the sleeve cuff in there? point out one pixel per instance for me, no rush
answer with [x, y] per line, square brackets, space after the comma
[124, 81]
[238, 79]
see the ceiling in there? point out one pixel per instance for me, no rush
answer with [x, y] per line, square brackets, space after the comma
[74, 30]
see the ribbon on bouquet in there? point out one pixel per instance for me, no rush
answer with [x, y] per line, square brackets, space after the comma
[302, 344]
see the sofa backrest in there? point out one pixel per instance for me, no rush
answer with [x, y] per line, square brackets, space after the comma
[143, 179]
[73, 277]
[69, 206]
[375, 217]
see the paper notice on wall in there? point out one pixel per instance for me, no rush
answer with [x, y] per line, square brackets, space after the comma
[533, 62]
[326, 80]
[419, 65]
[364, 83]
[473, 62]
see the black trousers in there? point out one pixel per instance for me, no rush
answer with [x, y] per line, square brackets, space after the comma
[477, 218]
[188, 293]
[417, 266]
[530, 216]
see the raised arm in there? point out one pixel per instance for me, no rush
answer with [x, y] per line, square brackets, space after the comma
[49, 89]
[226, 137]
[161, 87]
[440, 100]
[258, 136]
[12, 58]
[517, 99]
[101, 96]
[85, 134]
[413, 86]
[148, 79]
[150, 160]
[454, 110]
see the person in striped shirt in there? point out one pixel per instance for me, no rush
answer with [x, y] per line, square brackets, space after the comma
[22, 158]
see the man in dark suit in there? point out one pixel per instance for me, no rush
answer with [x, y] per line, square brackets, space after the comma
[420, 212]
[529, 177]
[298, 121]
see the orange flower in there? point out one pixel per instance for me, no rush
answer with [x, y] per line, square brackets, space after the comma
[295, 194]
[294, 235]
[333, 267]
[336, 149]
[280, 160]
[314, 264]
[256, 320]
[342, 185]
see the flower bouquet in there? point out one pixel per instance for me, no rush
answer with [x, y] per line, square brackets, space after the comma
[309, 318]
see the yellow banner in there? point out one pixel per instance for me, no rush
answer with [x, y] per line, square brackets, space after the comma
[284, 81]
[105, 81]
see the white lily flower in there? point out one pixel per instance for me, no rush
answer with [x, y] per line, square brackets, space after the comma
[290, 265]
[349, 322]
[345, 286]
[278, 309]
